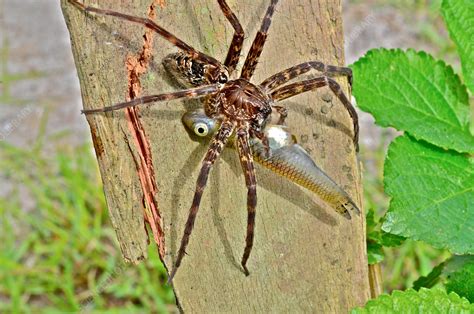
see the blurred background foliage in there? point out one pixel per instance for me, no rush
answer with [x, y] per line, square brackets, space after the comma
[59, 251]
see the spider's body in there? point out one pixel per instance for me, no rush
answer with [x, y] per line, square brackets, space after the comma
[244, 102]
[239, 99]
[239, 106]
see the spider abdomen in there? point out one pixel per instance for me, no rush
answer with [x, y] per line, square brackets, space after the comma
[189, 71]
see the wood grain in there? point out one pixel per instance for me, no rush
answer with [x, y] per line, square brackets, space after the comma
[306, 258]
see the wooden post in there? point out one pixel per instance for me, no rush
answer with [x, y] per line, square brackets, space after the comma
[305, 257]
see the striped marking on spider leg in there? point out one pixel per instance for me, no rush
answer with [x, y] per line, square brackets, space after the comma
[286, 75]
[258, 43]
[186, 93]
[215, 149]
[294, 89]
[337, 90]
[290, 73]
[246, 161]
[283, 112]
[235, 47]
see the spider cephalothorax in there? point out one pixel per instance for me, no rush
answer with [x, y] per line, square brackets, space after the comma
[239, 106]
[244, 102]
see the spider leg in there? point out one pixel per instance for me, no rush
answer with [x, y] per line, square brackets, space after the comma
[186, 93]
[264, 139]
[235, 48]
[283, 112]
[258, 43]
[294, 89]
[286, 75]
[151, 25]
[246, 160]
[215, 148]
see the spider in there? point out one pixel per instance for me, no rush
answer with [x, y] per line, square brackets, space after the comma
[240, 106]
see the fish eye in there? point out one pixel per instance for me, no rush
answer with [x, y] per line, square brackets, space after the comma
[201, 129]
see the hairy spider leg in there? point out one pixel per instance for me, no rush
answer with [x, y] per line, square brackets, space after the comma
[215, 148]
[196, 92]
[287, 75]
[258, 43]
[297, 88]
[246, 161]
[263, 138]
[282, 112]
[235, 48]
[153, 26]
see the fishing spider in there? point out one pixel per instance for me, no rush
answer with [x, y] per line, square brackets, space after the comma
[241, 107]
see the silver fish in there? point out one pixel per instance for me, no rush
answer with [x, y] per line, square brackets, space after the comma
[285, 158]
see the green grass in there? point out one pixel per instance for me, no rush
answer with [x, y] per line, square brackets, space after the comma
[405, 264]
[59, 252]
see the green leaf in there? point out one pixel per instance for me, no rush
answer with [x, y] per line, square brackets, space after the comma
[432, 194]
[411, 301]
[459, 17]
[460, 276]
[370, 220]
[457, 274]
[390, 240]
[377, 239]
[431, 279]
[374, 253]
[413, 92]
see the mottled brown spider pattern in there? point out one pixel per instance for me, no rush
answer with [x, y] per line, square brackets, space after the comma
[241, 107]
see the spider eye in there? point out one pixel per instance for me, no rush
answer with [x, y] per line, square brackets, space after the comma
[201, 129]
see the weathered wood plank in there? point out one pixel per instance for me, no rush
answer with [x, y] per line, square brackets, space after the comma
[305, 257]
